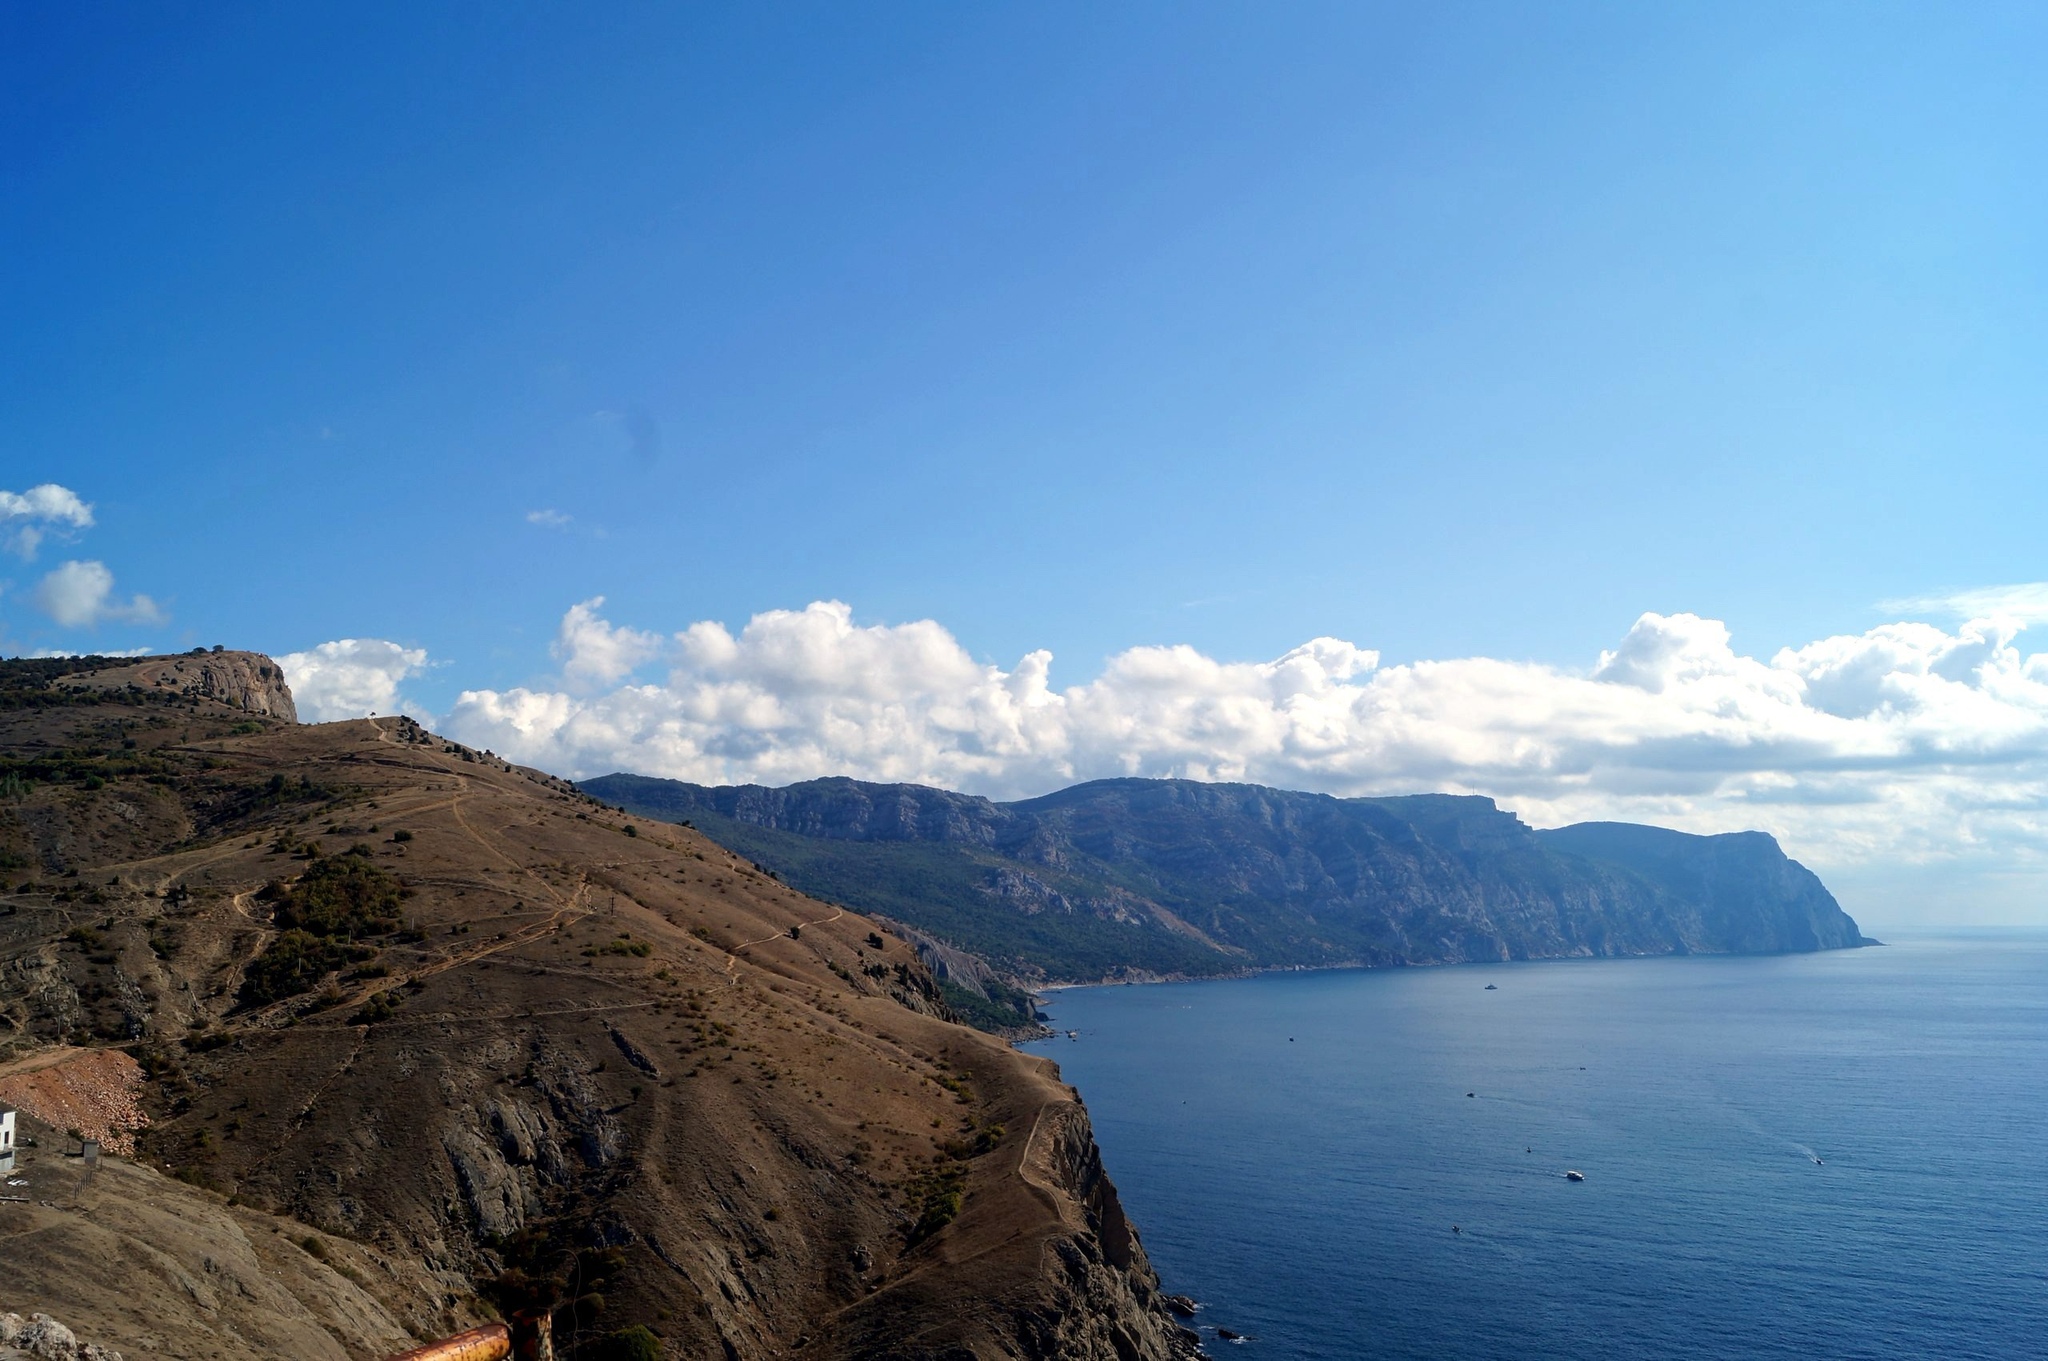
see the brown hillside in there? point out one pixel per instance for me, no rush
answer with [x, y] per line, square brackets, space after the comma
[485, 1032]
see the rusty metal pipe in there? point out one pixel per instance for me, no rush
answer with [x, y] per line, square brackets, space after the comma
[489, 1343]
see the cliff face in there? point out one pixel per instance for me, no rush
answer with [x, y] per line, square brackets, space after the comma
[473, 1034]
[1744, 889]
[1122, 878]
[248, 681]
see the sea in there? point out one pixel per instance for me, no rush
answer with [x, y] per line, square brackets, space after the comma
[1804, 1156]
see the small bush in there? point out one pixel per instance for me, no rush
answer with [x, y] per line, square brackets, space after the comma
[630, 1344]
[402, 834]
[939, 1211]
[381, 1007]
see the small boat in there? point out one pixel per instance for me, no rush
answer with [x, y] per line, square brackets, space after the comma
[1575, 1176]
[1493, 987]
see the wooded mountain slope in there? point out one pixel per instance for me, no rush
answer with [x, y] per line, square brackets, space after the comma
[1123, 878]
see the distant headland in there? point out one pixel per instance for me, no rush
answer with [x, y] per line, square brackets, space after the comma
[1131, 879]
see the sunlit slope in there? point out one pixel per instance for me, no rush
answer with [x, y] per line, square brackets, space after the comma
[410, 997]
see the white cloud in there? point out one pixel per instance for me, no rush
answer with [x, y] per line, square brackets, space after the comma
[2025, 602]
[352, 678]
[81, 595]
[594, 652]
[1905, 744]
[549, 519]
[25, 517]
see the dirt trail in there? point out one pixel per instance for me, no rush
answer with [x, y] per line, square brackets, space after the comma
[732, 960]
[566, 909]
[47, 1058]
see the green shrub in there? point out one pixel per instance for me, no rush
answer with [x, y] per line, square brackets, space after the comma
[939, 1211]
[294, 962]
[630, 1344]
[380, 1007]
[344, 896]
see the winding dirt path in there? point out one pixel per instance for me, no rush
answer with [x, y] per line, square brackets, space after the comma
[732, 956]
[567, 908]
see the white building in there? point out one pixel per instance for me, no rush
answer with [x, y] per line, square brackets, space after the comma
[6, 1131]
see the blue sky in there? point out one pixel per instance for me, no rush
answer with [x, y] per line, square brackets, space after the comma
[1451, 331]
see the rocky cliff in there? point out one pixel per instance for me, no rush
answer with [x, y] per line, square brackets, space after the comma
[463, 1039]
[248, 681]
[1130, 878]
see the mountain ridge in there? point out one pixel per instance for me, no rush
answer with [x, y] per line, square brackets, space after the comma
[1124, 878]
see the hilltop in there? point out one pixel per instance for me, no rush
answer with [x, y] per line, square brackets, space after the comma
[404, 1034]
[1137, 878]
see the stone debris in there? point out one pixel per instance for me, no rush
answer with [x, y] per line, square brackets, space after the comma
[95, 1093]
[43, 1338]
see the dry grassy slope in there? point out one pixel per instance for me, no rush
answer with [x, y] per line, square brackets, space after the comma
[156, 1269]
[754, 1119]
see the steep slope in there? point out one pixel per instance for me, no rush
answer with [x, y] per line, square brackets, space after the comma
[494, 1042]
[1122, 878]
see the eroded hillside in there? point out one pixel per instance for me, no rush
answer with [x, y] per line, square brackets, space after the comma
[494, 1041]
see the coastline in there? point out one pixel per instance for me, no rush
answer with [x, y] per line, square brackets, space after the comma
[1144, 978]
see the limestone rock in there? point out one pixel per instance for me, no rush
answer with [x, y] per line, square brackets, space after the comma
[248, 681]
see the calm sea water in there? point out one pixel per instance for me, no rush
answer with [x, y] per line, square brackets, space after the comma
[1837, 1155]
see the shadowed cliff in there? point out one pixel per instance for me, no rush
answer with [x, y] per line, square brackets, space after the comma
[1133, 878]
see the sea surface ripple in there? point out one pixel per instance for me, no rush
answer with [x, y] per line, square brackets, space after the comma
[1833, 1155]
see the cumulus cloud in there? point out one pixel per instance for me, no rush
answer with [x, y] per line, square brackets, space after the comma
[352, 678]
[593, 651]
[26, 517]
[548, 519]
[1908, 742]
[81, 595]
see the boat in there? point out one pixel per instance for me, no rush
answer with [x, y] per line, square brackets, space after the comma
[1493, 987]
[1575, 1176]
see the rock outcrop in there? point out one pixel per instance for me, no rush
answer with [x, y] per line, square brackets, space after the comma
[248, 681]
[44, 1339]
[1073, 1286]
